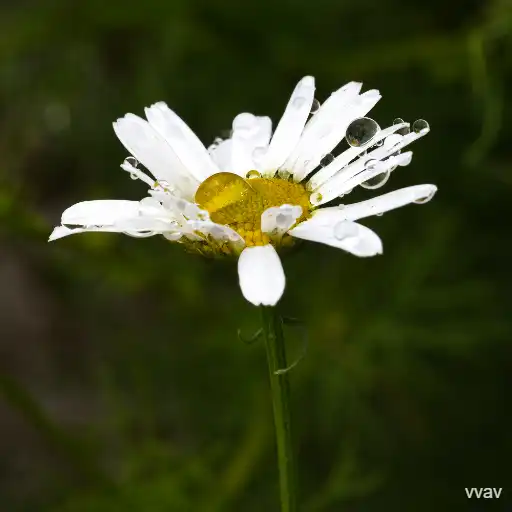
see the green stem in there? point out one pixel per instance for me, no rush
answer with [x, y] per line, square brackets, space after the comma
[280, 388]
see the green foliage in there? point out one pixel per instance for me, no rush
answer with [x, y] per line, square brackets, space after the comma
[124, 384]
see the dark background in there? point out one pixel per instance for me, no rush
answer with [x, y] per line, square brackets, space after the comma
[123, 385]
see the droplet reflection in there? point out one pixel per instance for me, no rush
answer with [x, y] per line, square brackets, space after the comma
[361, 131]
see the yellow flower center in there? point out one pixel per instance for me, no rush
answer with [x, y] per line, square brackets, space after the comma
[239, 203]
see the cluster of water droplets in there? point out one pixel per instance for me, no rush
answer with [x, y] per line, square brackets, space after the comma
[362, 132]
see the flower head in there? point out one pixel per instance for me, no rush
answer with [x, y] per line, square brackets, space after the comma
[253, 193]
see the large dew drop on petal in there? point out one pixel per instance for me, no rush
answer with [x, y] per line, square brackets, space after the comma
[361, 131]
[221, 191]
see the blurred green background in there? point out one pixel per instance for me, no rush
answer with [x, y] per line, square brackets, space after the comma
[123, 386]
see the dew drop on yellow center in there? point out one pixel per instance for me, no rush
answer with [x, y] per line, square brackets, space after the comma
[239, 203]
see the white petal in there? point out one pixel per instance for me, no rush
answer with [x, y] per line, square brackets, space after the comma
[249, 142]
[150, 148]
[140, 227]
[349, 236]
[376, 205]
[221, 154]
[146, 224]
[336, 102]
[100, 213]
[289, 129]
[331, 131]
[261, 275]
[219, 232]
[189, 149]
[277, 220]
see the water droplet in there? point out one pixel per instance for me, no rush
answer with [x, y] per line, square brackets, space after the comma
[425, 199]
[370, 165]
[361, 131]
[315, 106]
[316, 197]
[253, 174]
[379, 214]
[402, 131]
[362, 154]
[139, 234]
[344, 230]
[420, 126]
[327, 159]
[379, 143]
[131, 160]
[299, 102]
[214, 145]
[377, 181]
[282, 220]
[133, 176]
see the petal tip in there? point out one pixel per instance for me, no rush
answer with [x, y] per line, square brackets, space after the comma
[308, 81]
[58, 232]
[261, 275]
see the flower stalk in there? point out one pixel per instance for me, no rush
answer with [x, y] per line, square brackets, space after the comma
[280, 389]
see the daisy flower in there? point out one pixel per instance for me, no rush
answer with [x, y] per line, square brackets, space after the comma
[252, 194]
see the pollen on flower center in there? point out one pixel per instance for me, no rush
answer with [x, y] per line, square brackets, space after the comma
[239, 202]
